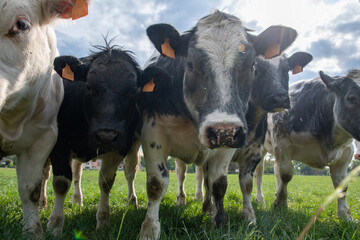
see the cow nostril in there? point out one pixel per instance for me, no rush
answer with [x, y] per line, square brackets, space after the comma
[212, 135]
[239, 137]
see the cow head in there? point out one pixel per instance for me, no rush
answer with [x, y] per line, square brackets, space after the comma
[219, 57]
[270, 88]
[111, 78]
[27, 42]
[347, 100]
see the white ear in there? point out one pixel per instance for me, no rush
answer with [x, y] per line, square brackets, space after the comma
[64, 9]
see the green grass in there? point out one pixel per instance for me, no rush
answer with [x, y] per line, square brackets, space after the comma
[306, 193]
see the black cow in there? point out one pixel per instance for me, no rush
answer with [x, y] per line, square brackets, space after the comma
[317, 130]
[269, 93]
[98, 118]
[199, 116]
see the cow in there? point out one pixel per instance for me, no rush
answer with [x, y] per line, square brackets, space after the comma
[317, 130]
[199, 116]
[98, 119]
[31, 93]
[269, 93]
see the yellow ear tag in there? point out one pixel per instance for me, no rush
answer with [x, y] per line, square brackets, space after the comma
[167, 50]
[80, 9]
[241, 48]
[67, 73]
[149, 87]
[297, 69]
[272, 50]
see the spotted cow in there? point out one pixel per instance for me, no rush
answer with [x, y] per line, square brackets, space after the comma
[199, 116]
[317, 130]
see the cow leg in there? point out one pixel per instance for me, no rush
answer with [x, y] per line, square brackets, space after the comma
[338, 172]
[46, 176]
[284, 174]
[218, 165]
[199, 184]
[208, 203]
[29, 169]
[60, 161]
[247, 165]
[181, 168]
[132, 160]
[77, 167]
[258, 174]
[157, 181]
[107, 174]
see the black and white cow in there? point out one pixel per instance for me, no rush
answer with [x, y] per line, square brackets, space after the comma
[317, 130]
[98, 118]
[199, 116]
[30, 93]
[269, 93]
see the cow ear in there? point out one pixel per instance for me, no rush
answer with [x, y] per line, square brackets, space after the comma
[298, 61]
[329, 82]
[273, 41]
[64, 9]
[154, 79]
[71, 68]
[167, 40]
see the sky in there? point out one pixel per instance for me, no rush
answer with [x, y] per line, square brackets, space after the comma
[327, 29]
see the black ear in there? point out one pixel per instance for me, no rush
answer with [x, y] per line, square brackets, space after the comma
[328, 81]
[167, 40]
[78, 69]
[273, 41]
[154, 79]
[298, 61]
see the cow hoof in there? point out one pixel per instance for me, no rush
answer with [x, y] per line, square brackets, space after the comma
[180, 200]
[280, 204]
[33, 229]
[345, 215]
[260, 199]
[55, 225]
[43, 203]
[150, 229]
[77, 199]
[248, 215]
[102, 219]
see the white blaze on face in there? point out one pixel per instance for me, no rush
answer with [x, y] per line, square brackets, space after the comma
[220, 38]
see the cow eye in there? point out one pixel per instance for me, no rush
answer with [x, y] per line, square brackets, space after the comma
[22, 25]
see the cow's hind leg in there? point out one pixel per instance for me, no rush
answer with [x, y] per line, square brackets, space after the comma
[284, 174]
[132, 160]
[46, 176]
[77, 167]
[199, 184]
[109, 166]
[258, 175]
[181, 175]
[338, 172]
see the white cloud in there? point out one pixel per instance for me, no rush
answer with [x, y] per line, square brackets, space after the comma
[326, 28]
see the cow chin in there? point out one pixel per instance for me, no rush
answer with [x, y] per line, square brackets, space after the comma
[222, 130]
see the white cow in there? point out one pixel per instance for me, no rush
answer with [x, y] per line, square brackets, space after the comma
[30, 93]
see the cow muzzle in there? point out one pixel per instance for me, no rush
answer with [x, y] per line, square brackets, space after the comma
[107, 139]
[226, 136]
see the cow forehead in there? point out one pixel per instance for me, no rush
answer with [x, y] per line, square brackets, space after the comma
[10, 9]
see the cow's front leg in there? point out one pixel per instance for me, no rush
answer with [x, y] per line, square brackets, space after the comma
[46, 176]
[247, 165]
[107, 174]
[157, 181]
[284, 173]
[77, 167]
[132, 160]
[208, 204]
[181, 168]
[60, 161]
[218, 164]
[338, 172]
[199, 184]
[29, 169]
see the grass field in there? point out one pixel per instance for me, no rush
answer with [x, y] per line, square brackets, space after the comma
[306, 193]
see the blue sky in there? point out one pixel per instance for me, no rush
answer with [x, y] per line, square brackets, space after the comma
[328, 29]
